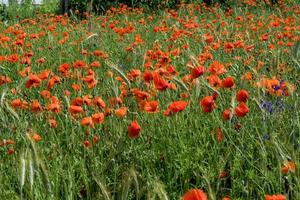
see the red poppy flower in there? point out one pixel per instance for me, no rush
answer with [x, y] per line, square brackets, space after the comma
[217, 68]
[159, 82]
[121, 112]
[195, 194]
[54, 105]
[75, 109]
[87, 144]
[275, 197]
[197, 71]
[149, 106]
[33, 81]
[228, 82]
[241, 110]
[99, 102]
[64, 69]
[53, 80]
[177, 106]
[44, 74]
[98, 118]
[147, 76]
[242, 96]
[226, 114]
[86, 121]
[35, 106]
[134, 130]
[79, 64]
[207, 104]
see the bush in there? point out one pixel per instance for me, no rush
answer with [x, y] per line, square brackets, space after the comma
[3, 12]
[100, 6]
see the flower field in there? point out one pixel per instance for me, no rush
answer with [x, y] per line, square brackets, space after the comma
[196, 103]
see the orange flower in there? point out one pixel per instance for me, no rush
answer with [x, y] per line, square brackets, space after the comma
[44, 74]
[134, 73]
[149, 106]
[76, 87]
[79, 64]
[289, 166]
[87, 100]
[12, 58]
[35, 106]
[53, 80]
[159, 82]
[121, 112]
[45, 94]
[242, 96]
[139, 94]
[177, 106]
[90, 79]
[226, 198]
[134, 130]
[100, 54]
[208, 38]
[33, 81]
[86, 121]
[25, 72]
[18, 103]
[4, 80]
[114, 101]
[217, 68]
[223, 174]
[99, 102]
[195, 194]
[275, 197]
[214, 80]
[36, 137]
[219, 135]
[52, 122]
[64, 69]
[54, 105]
[241, 110]
[75, 109]
[98, 118]
[95, 64]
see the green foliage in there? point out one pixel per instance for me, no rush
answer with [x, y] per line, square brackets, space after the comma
[3, 12]
[101, 6]
[26, 10]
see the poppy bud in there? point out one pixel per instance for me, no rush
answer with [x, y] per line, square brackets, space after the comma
[226, 114]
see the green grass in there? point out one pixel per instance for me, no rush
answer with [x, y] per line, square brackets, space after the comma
[172, 154]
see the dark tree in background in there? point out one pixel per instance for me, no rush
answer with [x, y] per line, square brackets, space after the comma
[210, 2]
[64, 6]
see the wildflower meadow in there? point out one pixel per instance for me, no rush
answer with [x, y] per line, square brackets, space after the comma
[196, 102]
